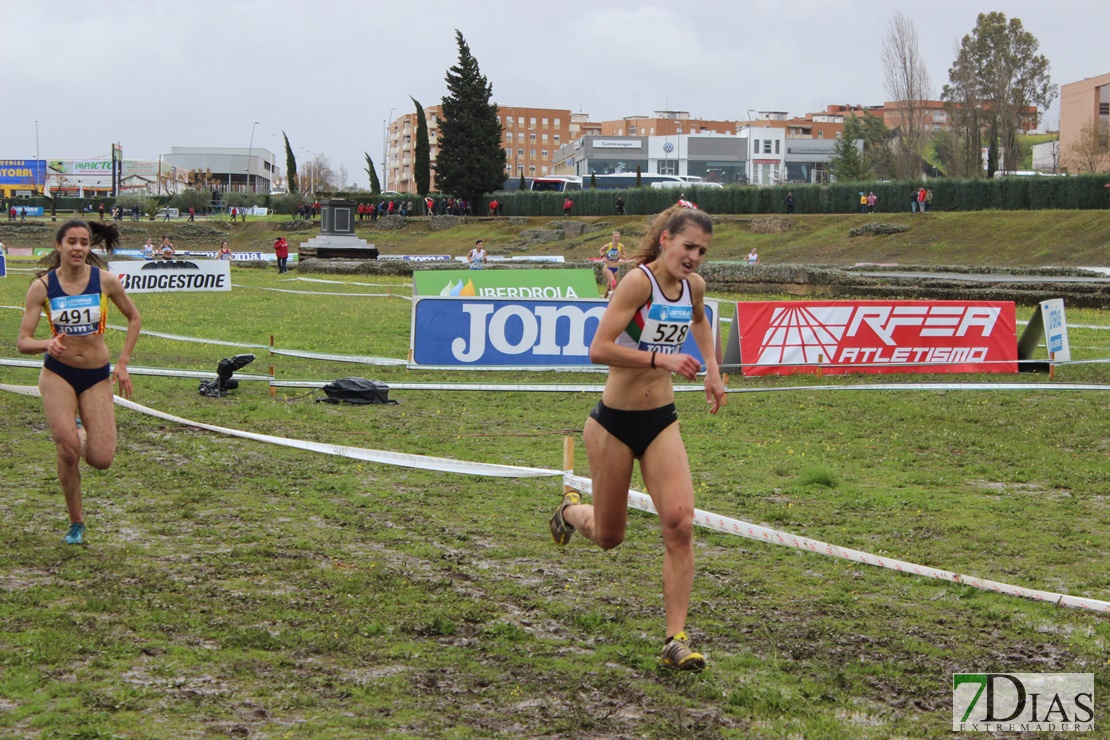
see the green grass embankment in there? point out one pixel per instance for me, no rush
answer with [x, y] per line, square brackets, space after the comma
[979, 239]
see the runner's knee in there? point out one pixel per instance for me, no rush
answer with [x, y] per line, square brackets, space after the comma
[99, 460]
[678, 526]
[69, 451]
[608, 541]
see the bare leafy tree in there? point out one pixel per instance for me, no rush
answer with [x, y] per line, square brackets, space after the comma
[319, 174]
[1091, 151]
[906, 81]
[996, 85]
[342, 185]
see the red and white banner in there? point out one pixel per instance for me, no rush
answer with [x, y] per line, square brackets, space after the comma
[784, 337]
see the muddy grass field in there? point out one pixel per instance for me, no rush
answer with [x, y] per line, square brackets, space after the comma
[236, 588]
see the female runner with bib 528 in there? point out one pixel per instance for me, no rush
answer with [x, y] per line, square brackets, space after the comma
[640, 338]
[76, 374]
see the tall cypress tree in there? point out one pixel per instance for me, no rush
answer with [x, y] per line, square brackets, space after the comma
[290, 165]
[470, 161]
[422, 158]
[372, 173]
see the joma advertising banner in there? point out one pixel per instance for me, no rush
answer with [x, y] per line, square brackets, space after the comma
[784, 337]
[173, 276]
[554, 283]
[471, 332]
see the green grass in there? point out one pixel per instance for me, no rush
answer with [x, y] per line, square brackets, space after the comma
[235, 588]
[983, 238]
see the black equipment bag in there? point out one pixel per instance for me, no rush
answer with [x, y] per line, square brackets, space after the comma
[356, 390]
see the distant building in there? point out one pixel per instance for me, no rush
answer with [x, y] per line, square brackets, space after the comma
[21, 177]
[1083, 104]
[530, 137]
[231, 169]
[85, 178]
[760, 155]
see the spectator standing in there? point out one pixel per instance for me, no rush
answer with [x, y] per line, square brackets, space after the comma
[862, 202]
[99, 210]
[620, 206]
[568, 204]
[921, 200]
[192, 213]
[789, 203]
[928, 200]
[871, 199]
[281, 251]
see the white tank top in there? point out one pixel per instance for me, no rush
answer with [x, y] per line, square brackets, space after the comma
[660, 325]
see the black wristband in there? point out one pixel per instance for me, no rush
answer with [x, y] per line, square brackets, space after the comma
[653, 359]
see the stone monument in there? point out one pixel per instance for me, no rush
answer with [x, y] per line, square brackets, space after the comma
[337, 239]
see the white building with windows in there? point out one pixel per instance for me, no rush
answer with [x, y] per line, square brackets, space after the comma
[232, 169]
[757, 156]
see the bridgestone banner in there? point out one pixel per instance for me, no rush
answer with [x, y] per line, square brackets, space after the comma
[173, 275]
[784, 337]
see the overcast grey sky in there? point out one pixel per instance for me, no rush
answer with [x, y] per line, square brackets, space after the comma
[151, 74]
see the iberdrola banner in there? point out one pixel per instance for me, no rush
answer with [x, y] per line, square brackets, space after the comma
[556, 283]
[784, 337]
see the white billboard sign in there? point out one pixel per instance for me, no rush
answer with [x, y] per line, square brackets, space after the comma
[173, 276]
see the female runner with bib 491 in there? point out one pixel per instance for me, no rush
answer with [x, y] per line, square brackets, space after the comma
[76, 374]
[640, 338]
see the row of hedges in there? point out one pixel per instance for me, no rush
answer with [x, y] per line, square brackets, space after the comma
[949, 194]
[1006, 194]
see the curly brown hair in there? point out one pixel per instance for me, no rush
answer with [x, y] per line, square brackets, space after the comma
[672, 220]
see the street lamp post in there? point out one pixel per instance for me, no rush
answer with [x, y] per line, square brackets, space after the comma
[385, 150]
[311, 170]
[37, 157]
[250, 152]
[678, 147]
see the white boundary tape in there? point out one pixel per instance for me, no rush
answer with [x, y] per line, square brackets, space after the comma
[680, 388]
[575, 388]
[727, 525]
[136, 370]
[636, 500]
[314, 292]
[421, 462]
[199, 340]
[344, 282]
[340, 358]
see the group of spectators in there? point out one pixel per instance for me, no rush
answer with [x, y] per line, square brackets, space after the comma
[384, 208]
[307, 211]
